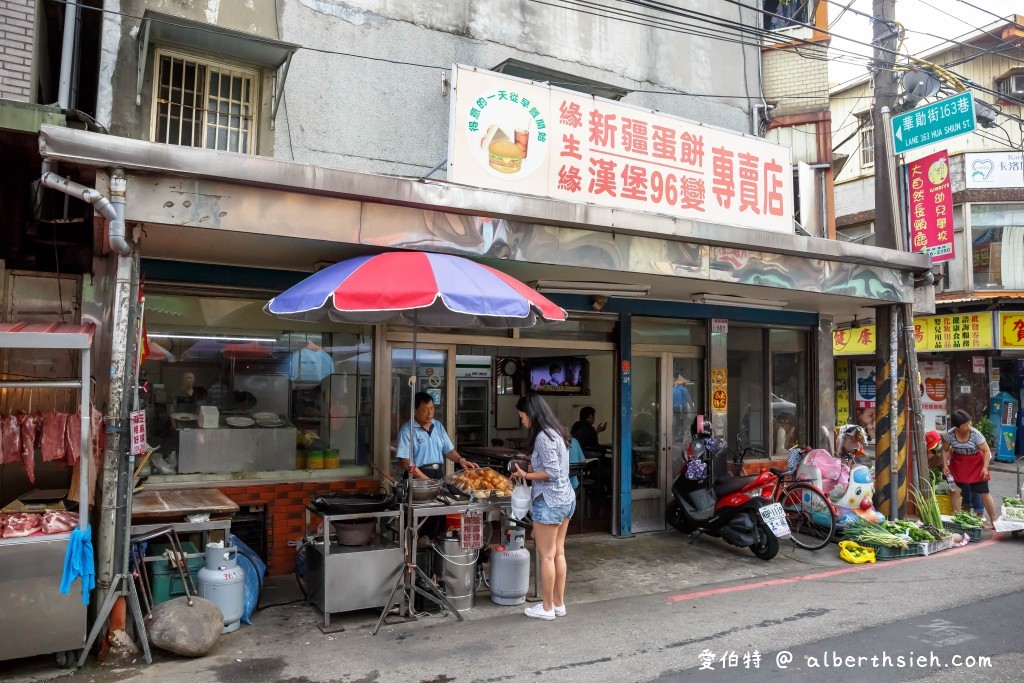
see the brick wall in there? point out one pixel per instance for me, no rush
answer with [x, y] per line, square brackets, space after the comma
[787, 73]
[285, 504]
[17, 32]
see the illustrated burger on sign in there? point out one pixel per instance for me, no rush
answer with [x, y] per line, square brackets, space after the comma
[505, 154]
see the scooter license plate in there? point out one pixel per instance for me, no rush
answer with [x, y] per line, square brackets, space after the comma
[775, 517]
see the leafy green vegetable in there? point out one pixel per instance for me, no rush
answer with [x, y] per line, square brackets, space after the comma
[927, 506]
[968, 519]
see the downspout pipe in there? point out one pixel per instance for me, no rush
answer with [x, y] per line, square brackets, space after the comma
[112, 209]
[67, 53]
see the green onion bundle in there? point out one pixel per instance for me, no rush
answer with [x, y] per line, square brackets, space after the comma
[863, 531]
[927, 506]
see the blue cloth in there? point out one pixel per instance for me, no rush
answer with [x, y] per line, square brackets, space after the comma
[79, 563]
[429, 448]
[575, 455]
[680, 397]
[307, 365]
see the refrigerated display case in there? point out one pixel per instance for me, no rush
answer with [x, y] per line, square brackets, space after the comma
[472, 410]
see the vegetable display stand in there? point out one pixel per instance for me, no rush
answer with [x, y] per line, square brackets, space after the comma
[884, 553]
[973, 532]
[927, 548]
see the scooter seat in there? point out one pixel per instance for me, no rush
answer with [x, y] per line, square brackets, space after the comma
[727, 485]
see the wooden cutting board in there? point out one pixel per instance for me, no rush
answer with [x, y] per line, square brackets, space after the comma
[165, 504]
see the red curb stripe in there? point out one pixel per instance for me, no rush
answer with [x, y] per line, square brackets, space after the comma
[811, 577]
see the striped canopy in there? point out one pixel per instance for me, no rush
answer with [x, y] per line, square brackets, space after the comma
[433, 290]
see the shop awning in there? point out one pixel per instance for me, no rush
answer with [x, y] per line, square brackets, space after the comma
[46, 335]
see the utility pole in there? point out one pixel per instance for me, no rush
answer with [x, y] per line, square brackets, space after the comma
[890, 433]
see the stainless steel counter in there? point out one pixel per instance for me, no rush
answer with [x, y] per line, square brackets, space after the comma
[229, 449]
[37, 619]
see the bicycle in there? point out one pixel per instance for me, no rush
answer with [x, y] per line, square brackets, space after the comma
[810, 514]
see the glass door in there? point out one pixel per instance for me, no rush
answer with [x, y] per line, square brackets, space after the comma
[648, 443]
[668, 392]
[432, 378]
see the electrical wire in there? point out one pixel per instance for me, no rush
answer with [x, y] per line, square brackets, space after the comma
[991, 13]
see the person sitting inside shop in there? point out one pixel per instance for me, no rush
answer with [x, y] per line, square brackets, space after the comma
[584, 430]
[424, 445]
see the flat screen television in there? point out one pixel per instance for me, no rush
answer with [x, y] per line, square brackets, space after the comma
[559, 376]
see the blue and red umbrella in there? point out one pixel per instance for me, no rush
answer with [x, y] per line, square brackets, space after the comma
[434, 290]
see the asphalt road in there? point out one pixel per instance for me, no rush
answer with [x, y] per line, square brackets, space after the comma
[964, 602]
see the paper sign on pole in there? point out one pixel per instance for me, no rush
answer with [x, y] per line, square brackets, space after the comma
[138, 427]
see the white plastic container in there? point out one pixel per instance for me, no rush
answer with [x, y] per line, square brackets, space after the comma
[209, 417]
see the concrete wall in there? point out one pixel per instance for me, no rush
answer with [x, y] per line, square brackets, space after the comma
[115, 101]
[17, 34]
[803, 76]
[383, 117]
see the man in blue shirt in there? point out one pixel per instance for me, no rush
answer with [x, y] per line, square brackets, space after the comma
[424, 445]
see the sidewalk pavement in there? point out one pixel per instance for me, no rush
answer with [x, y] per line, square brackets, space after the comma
[601, 568]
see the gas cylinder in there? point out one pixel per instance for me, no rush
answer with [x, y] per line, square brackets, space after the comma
[222, 582]
[510, 569]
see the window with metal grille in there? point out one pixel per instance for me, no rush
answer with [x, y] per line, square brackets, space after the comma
[867, 139]
[204, 104]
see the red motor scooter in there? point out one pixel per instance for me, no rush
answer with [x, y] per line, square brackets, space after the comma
[706, 499]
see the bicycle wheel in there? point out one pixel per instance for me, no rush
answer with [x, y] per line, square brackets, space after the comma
[809, 514]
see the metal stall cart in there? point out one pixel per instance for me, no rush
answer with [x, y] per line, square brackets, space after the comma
[31, 566]
[342, 578]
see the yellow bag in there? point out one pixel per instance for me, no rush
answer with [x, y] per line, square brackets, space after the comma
[855, 553]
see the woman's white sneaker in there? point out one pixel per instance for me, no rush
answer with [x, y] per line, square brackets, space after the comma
[538, 612]
[559, 610]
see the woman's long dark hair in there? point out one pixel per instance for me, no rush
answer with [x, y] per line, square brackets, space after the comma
[541, 418]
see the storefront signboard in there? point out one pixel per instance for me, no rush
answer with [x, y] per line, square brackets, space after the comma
[525, 137]
[994, 169]
[963, 332]
[1011, 330]
[930, 206]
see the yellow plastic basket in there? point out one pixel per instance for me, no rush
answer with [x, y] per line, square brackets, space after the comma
[945, 506]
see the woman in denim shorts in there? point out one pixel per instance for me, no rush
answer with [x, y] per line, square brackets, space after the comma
[553, 499]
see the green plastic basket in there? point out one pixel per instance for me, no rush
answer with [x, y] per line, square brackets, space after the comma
[884, 552]
[973, 532]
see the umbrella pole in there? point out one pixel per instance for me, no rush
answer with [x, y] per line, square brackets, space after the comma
[412, 379]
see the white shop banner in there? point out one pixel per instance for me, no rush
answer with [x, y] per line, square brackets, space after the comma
[530, 138]
[994, 169]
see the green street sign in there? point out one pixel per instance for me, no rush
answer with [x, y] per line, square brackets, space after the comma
[933, 122]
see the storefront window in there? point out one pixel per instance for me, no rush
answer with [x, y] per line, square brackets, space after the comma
[775, 420]
[955, 272]
[430, 379]
[233, 391]
[668, 332]
[746, 388]
[997, 231]
[576, 328]
[789, 389]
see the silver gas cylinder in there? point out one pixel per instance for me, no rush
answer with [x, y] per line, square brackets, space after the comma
[222, 582]
[510, 569]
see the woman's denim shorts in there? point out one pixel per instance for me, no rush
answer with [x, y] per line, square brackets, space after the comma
[545, 514]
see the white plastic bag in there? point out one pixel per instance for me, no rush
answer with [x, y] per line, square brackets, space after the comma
[522, 500]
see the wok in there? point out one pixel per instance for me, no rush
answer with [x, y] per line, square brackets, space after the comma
[353, 503]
